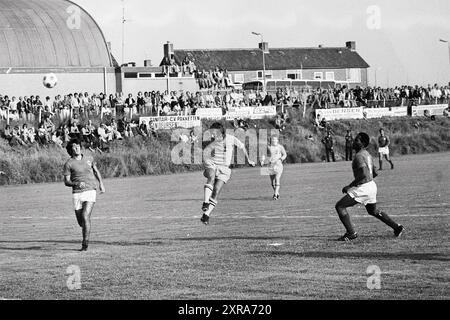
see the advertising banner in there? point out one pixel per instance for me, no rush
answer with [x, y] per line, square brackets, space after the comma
[371, 113]
[235, 113]
[209, 113]
[262, 112]
[435, 110]
[172, 122]
[340, 113]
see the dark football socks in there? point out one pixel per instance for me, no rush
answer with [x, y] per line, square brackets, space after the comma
[345, 219]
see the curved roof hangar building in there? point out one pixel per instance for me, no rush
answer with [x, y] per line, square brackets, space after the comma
[42, 36]
[49, 33]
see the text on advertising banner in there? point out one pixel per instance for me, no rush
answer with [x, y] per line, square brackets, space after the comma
[435, 110]
[340, 113]
[172, 122]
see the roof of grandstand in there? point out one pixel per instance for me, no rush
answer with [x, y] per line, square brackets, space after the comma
[47, 34]
[277, 59]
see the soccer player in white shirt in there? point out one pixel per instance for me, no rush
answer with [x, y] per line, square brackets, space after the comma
[277, 156]
[217, 159]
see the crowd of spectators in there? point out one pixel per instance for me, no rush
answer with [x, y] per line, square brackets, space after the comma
[93, 137]
[342, 96]
[69, 108]
[156, 103]
[217, 79]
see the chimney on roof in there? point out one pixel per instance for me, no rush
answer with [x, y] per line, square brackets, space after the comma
[168, 50]
[264, 46]
[320, 46]
[351, 45]
[147, 63]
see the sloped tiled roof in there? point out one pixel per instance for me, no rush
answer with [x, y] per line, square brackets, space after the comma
[277, 59]
[41, 34]
[165, 62]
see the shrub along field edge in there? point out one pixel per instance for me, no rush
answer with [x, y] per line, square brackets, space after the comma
[152, 156]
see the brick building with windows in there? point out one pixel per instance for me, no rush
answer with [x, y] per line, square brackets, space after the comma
[342, 64]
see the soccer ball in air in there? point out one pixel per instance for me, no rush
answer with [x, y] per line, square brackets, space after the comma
[50, 80]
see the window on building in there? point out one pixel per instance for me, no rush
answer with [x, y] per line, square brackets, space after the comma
[238, 78]
[294, 74]
[318, 75]
[131, 75]
[354, 75]
[145, 75]
[329, 76]
[269, 74]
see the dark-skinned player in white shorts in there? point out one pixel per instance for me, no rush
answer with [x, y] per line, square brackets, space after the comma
[363, 190]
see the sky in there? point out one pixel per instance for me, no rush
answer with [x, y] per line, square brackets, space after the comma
[399, 39]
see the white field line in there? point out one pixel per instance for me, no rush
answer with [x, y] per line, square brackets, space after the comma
[229, 216]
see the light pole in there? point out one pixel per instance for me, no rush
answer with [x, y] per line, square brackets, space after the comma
[448, 43]
[123, 30]
[376, 84]
[263, 56]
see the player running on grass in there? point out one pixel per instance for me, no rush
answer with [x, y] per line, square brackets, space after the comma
[362, 190]
[383, 149]
[81, 174]
[217, 159]
[277, 156]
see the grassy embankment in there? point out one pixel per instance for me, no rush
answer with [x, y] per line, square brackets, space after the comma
[138, 156]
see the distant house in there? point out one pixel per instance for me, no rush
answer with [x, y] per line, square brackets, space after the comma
[341, 64]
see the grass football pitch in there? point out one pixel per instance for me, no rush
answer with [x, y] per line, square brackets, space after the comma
[147, 241]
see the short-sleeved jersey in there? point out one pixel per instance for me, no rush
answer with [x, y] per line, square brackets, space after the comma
[221, 152]
[81, 171]
[276, 153]
[363, 159]
[383, 141]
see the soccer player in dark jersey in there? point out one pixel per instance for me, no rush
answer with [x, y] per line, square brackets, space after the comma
[81, 174]
[349, 146]
[362, 190]
[383, 149]
[328, 141]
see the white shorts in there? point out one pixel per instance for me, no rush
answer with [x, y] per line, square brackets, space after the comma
[276, 169]
[383, 151]
[365, 193]
[80, 198]
[222, 173]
